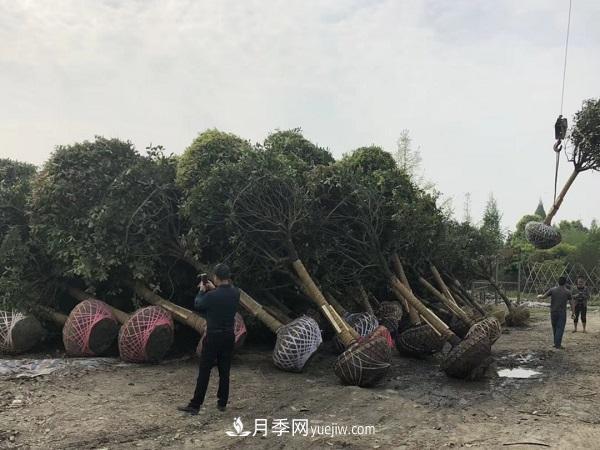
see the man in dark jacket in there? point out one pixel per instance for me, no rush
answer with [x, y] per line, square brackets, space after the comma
[219, 305]
[580, 296]
[559, 298]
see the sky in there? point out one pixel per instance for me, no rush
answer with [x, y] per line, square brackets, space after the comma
[477, 83]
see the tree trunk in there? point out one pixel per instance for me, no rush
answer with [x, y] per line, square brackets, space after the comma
[466, 295]
[399, 269]
[453, 307]
[441, 284]
[560, 198]
[257, 310]
[364, 299]
[434, 321]
[179, 313]
[80, 296]
[347, 334]
[504, 298]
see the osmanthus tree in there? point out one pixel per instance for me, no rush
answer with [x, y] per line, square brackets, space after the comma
[584, 154]
[17, 258]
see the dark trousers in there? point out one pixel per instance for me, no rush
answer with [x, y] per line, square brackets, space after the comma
[558, 319]
[218, 347]
[580, 309]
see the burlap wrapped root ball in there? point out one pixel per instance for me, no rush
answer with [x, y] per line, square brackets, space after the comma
[296, 343]
[384, 333]
[364, 324]
[364, 363]
[419, 340]
[239, 332]
[542, 236]
[389, 314]
[518, 316]
[147, 335]
[19, 332]
[90, 329]
[469, 359]
[490, 327]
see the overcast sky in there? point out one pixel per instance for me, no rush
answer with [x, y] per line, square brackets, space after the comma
[477, 83]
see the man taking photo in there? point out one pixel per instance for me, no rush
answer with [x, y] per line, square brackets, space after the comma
[218, 302]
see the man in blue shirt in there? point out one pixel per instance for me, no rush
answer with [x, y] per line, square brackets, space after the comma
[219, 305]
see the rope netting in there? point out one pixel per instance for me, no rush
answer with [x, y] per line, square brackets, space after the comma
[364, 363]
[8, 319]
[239, 331]
[90, 329]
[135, 335]
[364, 324]
[382, 331]
[490, 327]
[389, 314]
[296, 343]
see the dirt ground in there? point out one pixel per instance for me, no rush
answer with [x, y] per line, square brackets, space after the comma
[417, 407]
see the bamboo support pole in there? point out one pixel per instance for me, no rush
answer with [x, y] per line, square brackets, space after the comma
[453, 307]
[399, 269]
[441, 285]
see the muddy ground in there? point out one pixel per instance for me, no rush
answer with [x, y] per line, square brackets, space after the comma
[417, 406]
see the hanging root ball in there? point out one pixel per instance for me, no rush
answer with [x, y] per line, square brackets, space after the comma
[90, 329]
[419, 340]
[147, 335]
[18, 332]
[542, 236]
[470, 359]
[490, 327]
[239, 331]
[364, 324]
[364, 363]
[389, 315]
[296, 343]
[518, 317]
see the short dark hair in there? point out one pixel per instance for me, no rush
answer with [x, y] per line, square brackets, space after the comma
[222, 271]
[562, 281]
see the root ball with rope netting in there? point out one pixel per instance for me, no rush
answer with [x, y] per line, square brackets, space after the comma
[384, 332]
[364, 363]
[517, 316]
[296, 344]
[419, 340]
[542, 236]
[469, 359]
[90, 329]
[389, 315]
[146, 336]
[239, 332]
[364, 324]
[490, 327]
[19, 332]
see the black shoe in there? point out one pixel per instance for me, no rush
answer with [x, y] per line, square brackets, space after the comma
[221, 408]
[192, 410]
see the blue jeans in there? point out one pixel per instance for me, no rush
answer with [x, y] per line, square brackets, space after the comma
[558, 319]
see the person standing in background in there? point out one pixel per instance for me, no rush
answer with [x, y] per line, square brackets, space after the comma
[560, 296]
[580, 297]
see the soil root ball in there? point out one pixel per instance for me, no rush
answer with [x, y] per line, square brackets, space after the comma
[470, 359]
[518, 317]
[458, 326]
[542, 236]
[389, 315]
[490, 327]
[90, 329]
[147, 336]
[419, 340]
[296, 343]
[383, 332]
[364, 363]
[364, 324]
[19, 332]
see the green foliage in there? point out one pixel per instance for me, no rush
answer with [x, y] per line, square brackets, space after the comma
[100, 207]
[15, 186]
[585, 136]
[491, 226]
